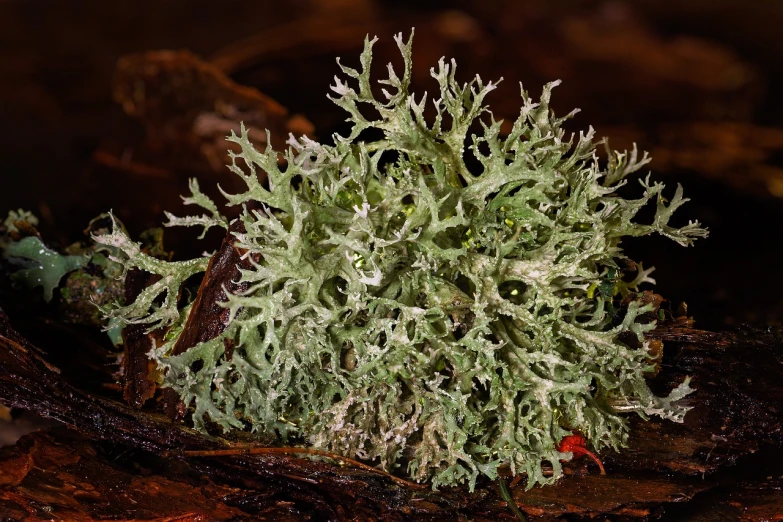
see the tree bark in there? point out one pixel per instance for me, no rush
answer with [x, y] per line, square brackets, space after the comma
[78, 472]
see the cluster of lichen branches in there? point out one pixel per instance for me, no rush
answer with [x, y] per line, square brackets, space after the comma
[405, 308]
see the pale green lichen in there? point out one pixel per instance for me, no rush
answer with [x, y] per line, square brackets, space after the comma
[39, 266]
[214, 219]
[156, 305]
[403, 307]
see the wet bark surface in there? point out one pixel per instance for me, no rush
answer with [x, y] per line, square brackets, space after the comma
[108, 448]
[138, 370]
[737, 410]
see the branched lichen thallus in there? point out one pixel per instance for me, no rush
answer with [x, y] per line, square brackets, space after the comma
[434, 320]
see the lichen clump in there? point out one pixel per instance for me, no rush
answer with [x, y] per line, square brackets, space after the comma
[403, 307]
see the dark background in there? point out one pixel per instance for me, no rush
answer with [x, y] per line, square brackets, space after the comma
[694, 82]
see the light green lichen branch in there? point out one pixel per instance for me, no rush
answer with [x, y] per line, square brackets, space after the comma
[403, 307]
[146, 309]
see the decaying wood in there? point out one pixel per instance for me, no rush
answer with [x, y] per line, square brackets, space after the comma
[207, 319]
[56, 475]
[615, 494]
[758, 501]
[29, 382]
[737, 406]
[138, 370]
[731, 418]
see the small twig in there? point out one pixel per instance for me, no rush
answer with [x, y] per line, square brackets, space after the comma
[233, 452]
[689, 335]
[299, 477]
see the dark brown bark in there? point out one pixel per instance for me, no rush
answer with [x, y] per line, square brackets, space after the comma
[60, 473]
[737, 406]
[207, 318]
[138, 370]
[285, 487]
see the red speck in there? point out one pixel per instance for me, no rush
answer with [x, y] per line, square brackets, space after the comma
[575, 444]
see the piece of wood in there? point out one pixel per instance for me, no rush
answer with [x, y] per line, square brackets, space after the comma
[138, 384]
[737, 407]
[207, 318]
[299, 487]
[60, 475]
[758, 501]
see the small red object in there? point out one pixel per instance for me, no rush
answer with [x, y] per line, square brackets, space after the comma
[575, 444]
